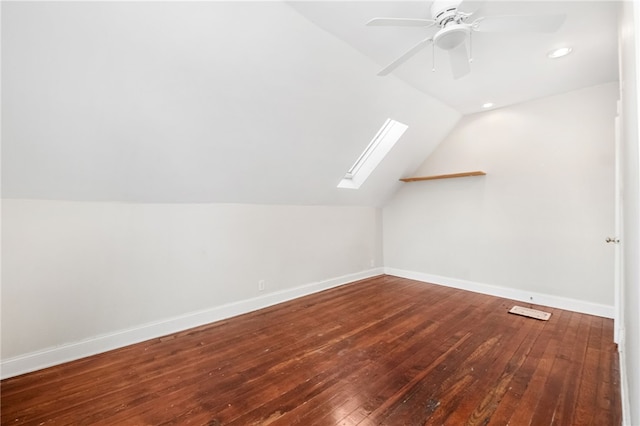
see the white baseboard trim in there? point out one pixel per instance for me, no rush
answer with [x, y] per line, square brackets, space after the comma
[574, 305]
[624, 389]
[69, 352]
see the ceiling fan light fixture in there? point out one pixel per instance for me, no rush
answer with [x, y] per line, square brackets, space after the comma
[559, 53]
[451, 36]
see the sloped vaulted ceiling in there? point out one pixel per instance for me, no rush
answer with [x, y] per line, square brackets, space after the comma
[196, 102]
[506, 69]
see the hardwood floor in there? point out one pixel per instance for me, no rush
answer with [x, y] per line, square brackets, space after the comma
[380, 351]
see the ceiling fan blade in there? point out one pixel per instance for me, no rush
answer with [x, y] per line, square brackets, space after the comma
[401, 22]
[519, 24]
[459, 59]
[405, 56]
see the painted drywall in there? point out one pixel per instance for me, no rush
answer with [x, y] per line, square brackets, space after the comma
[630, 238]
[77, 270]
[179, 137]
[196, 102]
[589, 26]
[537, 221]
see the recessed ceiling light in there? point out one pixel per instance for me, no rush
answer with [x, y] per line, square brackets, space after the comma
[559, 53]
[487, 105]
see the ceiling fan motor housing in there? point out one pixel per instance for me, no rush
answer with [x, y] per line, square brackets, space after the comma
[453, 30]
[443, 11]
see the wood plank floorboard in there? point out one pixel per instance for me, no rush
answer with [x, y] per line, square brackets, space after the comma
[381, 351]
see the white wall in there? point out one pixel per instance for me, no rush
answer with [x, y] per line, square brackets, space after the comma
[173, 102]
[630, 238]
[81, 270]
[537, 222]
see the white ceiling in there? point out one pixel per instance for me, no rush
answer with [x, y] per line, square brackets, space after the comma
[251, 102]
[506, 68]
[196, 102]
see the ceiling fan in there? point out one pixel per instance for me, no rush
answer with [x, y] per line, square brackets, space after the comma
[455, 21]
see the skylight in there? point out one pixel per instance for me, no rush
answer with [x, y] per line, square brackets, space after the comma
[373, 154]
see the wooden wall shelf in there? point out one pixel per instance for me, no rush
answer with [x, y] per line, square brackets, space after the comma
[452, 175]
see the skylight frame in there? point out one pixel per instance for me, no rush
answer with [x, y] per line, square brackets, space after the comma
[373, 154]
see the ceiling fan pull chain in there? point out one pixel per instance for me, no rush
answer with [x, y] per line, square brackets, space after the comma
[470, 46]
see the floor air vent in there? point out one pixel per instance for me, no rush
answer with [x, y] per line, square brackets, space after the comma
[533, 313]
